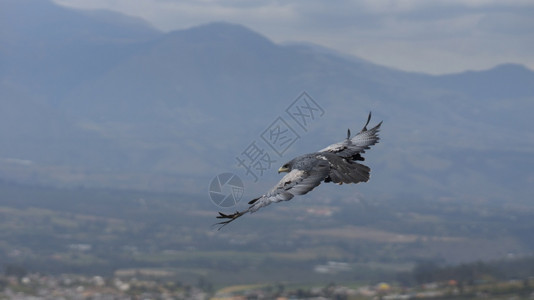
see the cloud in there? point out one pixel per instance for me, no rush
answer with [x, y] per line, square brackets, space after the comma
[438, 36]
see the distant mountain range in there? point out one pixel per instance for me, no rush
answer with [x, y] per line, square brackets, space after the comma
[102, 99]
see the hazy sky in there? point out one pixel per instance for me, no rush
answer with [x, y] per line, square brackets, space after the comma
[432, 36]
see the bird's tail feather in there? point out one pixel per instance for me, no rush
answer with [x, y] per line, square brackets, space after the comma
[350, 173]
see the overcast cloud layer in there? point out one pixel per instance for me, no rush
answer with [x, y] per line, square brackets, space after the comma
[439, 36]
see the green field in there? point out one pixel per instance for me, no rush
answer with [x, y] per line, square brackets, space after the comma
[107, 232]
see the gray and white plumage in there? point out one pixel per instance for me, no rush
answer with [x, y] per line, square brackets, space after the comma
[336, 163]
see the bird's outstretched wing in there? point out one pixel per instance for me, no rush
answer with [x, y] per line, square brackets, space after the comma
[351, 148]
[296, 182]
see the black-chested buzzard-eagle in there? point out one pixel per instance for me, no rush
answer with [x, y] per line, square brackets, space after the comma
[336, 163]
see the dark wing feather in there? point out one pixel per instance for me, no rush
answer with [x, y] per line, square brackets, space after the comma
[351, 148]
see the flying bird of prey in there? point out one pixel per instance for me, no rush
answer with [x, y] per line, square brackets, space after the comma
[336, 163]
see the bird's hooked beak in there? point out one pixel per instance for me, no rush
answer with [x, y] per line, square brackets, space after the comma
[283, 169]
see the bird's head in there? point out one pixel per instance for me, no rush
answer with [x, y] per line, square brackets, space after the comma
[285, 168]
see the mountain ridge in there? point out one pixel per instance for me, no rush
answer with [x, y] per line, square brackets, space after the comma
[170, 110]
